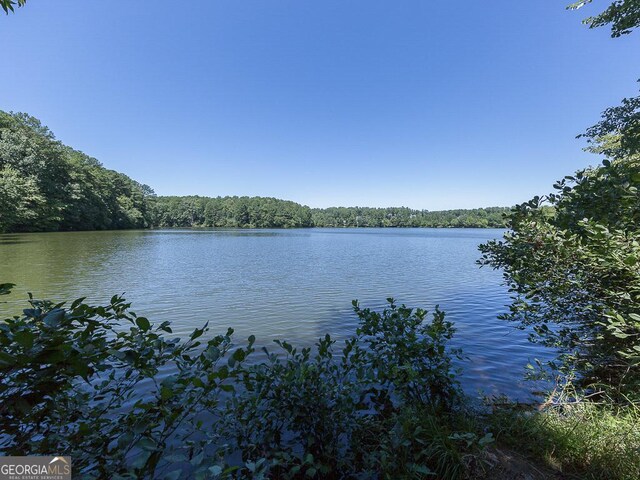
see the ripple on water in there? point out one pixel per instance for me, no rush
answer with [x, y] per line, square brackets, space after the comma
[293, 284]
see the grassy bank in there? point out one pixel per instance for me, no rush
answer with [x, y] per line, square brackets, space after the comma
[581, 440]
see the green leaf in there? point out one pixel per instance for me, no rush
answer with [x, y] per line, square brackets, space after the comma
[76, 303]
[54, 317]
[166, 393]
[147, 444]
[116, 353]
[143, 323]
[197, 382]
[6, 359]
[125, 439]
[24, 338]
[165, 327]
[239, 355]
[140, 426]
[212, 353]
[141, 459]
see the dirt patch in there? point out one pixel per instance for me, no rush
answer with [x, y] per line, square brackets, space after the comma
[504, 464]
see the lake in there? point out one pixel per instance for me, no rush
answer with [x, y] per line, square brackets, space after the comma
[282, 284]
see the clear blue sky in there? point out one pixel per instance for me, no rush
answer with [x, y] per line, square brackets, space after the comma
[427, 104]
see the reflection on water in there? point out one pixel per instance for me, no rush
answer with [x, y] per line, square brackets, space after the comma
[293, 284]
[9, 239]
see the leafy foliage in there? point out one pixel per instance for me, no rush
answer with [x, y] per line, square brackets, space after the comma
[617, 135]
[9, 5]
[45, 185]
[126, 400]
[622, 15]
[622, 121]
[574, 270]
[87, 381]
[336, 418]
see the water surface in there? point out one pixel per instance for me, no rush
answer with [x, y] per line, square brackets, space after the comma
[291, 284]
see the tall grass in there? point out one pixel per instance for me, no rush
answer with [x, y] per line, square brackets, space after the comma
[580, 439]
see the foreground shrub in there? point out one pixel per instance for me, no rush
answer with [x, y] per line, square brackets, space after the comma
[338, 415]
[125, 399]
[85, 381]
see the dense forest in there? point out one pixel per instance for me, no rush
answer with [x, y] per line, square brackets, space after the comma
[48, 186]
[230, 212]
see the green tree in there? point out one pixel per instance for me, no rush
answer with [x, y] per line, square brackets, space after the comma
[622, 15]
[9, 5]
[623, 120]
[623, 123]
[31, 149]
[49, 186]
[572, 261]
[20, 200]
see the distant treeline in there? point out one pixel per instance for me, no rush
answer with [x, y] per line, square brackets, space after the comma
[406, 217]
[261, 212]
[48, 186]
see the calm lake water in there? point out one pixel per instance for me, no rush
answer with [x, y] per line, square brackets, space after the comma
[291, 284]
